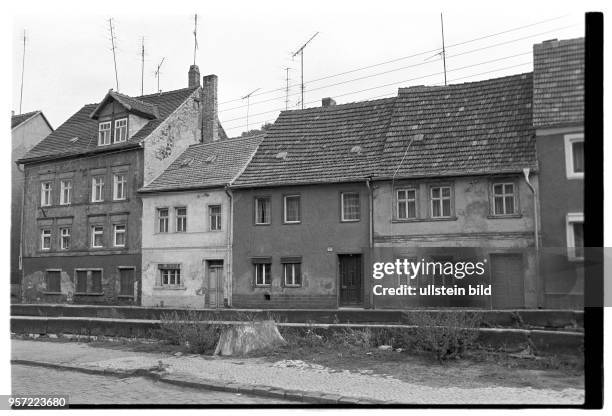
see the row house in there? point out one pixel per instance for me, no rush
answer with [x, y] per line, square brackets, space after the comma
[187, 223]
[27, 130]
[82, 214]
[558, 118]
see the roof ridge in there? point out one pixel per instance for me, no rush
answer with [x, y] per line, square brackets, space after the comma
[235, 139]
[338, 106]
[157, 94]
[434, 87]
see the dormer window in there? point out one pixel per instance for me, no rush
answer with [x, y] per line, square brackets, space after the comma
[121, 130]
[104, 133]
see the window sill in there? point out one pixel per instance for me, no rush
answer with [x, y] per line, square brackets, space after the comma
[349, 221]
[395, 220]
[292, 286]
[89, 293]
[263, 286]
[260, 224]
[292, 222]
[501, 217]
[169, 288]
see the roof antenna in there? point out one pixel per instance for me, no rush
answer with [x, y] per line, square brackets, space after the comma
[443, 48]
[287, 88]
[112, 32]
[195, 37]
[301, 52]
[22, 70]
[248, 98]
[142, 55]
[157, 72]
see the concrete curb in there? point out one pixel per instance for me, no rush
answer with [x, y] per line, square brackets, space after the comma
[308, 397]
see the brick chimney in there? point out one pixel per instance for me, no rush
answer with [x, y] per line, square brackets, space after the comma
[194, 76]
[210, 126]
[328, 102]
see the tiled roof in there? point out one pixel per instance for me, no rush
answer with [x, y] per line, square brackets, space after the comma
[339, 143]
[22, 118]
[133, 105]
[558, 83]
[62, 143]
[206, 165]
[471, 128]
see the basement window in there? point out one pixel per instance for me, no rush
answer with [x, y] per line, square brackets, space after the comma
[54, 281]
[88, 281]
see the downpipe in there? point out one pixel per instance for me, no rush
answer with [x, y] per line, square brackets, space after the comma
[536, 232]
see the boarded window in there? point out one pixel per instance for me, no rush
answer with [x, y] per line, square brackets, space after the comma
[126, 280]
[54, 279]
[81, 281]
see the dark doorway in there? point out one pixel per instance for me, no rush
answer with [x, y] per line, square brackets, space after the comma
[351, 281]
[216, 283]
[507, 281]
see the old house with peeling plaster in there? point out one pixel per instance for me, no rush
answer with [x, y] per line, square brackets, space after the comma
[82, 214]
[187, 223]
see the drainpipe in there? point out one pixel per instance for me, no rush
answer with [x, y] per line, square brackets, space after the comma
[228, 191]
[536, 226]
[21, 232]
[370, 240]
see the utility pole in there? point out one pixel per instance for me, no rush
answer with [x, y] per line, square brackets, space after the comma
[301, 52]
[22, 70]
[195, 38]
[112, 31]
[142, 54]
[157, 72]
[248, 98]
[443, 48]
[287, 88]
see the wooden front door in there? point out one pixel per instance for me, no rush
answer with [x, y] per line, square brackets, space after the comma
[507, 281]
[351, 281]
[215, 283]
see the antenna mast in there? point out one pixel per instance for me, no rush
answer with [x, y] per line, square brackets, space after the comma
[195, 38]
[287, 88]
[301, 52]
[157, 72]
[248, 98]
[22, 70]
[142, 54]
[112, 31]
[443, 48]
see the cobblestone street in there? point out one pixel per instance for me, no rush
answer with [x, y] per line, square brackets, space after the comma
[93, 389]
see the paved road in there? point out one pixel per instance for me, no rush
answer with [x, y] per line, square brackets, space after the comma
[93, 389]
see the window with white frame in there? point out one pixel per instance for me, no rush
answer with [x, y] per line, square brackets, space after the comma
[104, 133]
[181, 219]
[45, 194]
[292, 273]
[440, 201]
[97, 189]
[262, 210]
[406, 203]
[214, 214]
[119, 186]
[263, 274]
[45, 239]
[170, 275]
[65, 192]
[575, 236]
[120, 130]
[504, 199]
[65, 238]
[574, 156]
[162, 220]
[291, 208]
[97, 236]
[119, 235]
[350, 206]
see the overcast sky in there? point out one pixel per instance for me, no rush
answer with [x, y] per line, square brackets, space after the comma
[69, 62]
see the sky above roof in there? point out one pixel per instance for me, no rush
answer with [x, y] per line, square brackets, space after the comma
[69, 63]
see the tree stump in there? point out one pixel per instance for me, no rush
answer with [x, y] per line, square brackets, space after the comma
[244, 338]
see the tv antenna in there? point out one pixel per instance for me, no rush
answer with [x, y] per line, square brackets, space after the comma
[22, 70]
[287, 88]
[142, 55]
[301, 52]
[443, 48]
[195, 37]
[248, 98]
[112, 32]
[157, 72]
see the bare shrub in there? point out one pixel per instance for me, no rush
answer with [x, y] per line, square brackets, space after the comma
[446, 334]
[361, 338]
[187, 330]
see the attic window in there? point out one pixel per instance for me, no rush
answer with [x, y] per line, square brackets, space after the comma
[281, 155]
[120, 130]
[104, 133]
[211, 158]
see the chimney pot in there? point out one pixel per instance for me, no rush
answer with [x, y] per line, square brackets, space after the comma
[210, 124]
[328, 102]
[194, 76]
